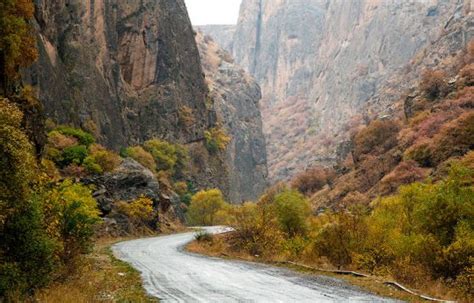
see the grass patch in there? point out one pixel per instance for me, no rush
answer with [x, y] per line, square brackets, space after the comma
[102, 278]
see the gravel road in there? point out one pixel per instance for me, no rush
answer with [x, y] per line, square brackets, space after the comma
[173, 275]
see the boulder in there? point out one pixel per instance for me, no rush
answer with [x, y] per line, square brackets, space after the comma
[126, 183]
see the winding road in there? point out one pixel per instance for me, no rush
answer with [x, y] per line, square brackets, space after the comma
[173, 275]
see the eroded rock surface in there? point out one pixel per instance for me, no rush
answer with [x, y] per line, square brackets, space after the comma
[236, 96]
[122, 69]
[320, 63]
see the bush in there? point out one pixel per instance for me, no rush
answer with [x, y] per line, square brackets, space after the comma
[26, 251]
[143, 157]
[140, 212]
[186, 116]
[78, 214]
[339, 237]
[455, 138]
[204, 207]
[256, 228]
[216, 139]
[433, 84]
[59, 141]
[313, 180]
[420, 152]
[101, 160]
[83, 137]
[72, 155]
[378, 137]
[168, 156]
[203, 236]
[293, 211]
[405, 173]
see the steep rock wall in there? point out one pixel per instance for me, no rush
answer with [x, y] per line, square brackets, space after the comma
[236, 96]
[122, 68]
[319, 62]
[130, 71]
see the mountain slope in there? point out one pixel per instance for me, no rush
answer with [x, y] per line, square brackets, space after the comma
[320, 62]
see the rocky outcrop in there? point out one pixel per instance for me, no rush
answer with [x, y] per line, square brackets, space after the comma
[320, 63]
[122, 69]
[236, 97]
[126, 183]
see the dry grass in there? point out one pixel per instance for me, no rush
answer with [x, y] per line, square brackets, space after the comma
[102, 278]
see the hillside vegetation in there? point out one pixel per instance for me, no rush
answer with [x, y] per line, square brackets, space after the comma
[400, 206]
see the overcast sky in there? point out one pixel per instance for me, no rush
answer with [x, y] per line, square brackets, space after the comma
[204, 12]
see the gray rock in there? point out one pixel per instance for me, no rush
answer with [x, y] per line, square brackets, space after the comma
[236, 97]
[128, 182]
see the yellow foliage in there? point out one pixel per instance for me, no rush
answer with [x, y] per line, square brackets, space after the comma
[143, 157]
[216, 139]
[140, 210]
[205, 206]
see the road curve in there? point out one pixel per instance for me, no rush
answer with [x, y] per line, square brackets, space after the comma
[173, 275]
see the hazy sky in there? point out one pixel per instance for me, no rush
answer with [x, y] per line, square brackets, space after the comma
[213, 11]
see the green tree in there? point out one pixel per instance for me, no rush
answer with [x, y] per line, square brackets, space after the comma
[293, 210]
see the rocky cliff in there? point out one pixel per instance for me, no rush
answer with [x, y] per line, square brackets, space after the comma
[123, 69]
[319, 62]
[236, 96]
[129, 71]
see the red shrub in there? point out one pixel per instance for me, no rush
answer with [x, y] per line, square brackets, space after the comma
[405, 173]
[433, 84]
[313, 180]
[378, 137]
[456, 138]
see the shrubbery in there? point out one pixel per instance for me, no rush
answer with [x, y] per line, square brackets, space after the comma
[141, 156]
[74, 151]
[313, 180]
[205, 206]
[140, 212]
[378, 137]
[433, 84]
[216, 139]
[168, 156]
[44, 226]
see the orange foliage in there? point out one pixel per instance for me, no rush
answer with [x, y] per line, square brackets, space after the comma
[378, 137]
[313, 179]
[433, 84]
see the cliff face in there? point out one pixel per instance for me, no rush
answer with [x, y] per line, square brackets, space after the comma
[123, 69]
[129, 71]
[236, 96]
[319, 62]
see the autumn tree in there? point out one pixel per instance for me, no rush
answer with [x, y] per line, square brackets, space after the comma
[17, 41]
[205, 206]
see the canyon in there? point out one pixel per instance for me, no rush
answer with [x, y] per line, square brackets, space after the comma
[131, 71]
[326, 67]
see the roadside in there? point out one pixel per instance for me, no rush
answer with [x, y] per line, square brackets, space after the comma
[102, 278]
[218, 246]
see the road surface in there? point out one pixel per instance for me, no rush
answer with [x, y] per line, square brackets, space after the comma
[173, 275]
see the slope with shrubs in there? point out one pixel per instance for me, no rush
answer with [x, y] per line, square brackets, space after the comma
[401, 205]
